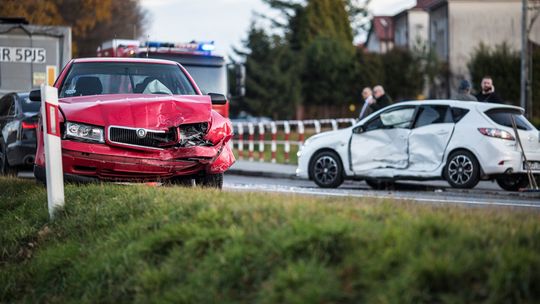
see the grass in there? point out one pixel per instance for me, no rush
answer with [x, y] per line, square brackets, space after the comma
[280, 154]
[117, 244]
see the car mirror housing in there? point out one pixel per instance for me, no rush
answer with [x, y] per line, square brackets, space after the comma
[218, 99]
[35, 95]
[358, 130]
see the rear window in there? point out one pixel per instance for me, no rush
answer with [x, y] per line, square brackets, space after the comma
[29, 106]
[458, 114]
[503, 117]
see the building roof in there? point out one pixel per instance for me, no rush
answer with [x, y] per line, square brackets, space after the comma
[424, 4]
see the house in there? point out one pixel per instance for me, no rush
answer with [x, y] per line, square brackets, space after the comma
[458, 27]
[411, 26]
[380, 37]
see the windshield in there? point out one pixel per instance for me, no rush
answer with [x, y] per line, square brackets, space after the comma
[98, 78]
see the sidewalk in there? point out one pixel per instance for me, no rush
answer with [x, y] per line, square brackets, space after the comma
[255, 168]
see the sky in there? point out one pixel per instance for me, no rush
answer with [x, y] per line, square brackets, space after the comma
[225, 22]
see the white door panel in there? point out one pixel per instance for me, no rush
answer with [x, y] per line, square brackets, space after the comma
[383, 148]
[427, 146]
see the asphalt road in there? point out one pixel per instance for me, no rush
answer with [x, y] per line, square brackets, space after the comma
[432, 192]
[485, 194]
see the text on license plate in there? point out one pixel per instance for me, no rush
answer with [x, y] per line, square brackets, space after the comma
[534, 165]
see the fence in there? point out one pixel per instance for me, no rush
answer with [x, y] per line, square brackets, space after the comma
[286, 133]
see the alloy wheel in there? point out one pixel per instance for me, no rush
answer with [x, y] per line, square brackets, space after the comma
[460, 169]
[326, 170]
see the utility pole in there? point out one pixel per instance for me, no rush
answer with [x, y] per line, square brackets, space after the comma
[524, 57]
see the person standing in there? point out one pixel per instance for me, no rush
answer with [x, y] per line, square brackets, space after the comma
[381, 99]
[464, 92]
[367, 95]
[488, 91]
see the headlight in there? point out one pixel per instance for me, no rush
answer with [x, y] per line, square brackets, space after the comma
[84, 132]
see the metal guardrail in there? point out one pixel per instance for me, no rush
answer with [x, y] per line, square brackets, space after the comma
[245, 135]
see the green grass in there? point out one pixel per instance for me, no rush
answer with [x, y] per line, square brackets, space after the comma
[280, 154]
[118, 244]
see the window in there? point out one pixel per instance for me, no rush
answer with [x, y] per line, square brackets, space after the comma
[428, 115]
[503, 117]
[97, 78]
[7, 106]
[458, 114]
[29, 106]
[395, 118]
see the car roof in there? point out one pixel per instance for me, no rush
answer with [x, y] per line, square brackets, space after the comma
[122, 59]
[482, 106]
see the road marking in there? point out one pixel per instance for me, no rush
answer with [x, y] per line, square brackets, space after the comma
[297, 190]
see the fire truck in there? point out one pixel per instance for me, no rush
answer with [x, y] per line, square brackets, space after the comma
[207, 69]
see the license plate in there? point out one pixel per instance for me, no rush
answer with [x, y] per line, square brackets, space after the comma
[534, 165]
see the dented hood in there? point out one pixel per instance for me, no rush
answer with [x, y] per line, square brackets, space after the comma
[136, 110]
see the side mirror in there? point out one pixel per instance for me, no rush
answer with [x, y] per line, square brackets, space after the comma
[358, 130]
[218, 99]
[35, 95]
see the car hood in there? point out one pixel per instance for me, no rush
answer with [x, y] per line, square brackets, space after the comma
[138, 111]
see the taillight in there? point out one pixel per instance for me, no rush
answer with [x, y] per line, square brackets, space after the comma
[29, 125]
[497, 133]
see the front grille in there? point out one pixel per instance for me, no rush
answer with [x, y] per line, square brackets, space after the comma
[152, 139]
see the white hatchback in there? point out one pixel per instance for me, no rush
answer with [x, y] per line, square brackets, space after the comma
[461, 142]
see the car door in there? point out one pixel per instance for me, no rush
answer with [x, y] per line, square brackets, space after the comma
[382, 142]
[429, 137]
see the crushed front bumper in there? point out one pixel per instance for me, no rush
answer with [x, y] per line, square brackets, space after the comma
[84, 162]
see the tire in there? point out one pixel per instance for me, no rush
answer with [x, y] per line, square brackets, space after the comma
[210, 181]
[462, 170]
[326, 169]
[182, 182]
[5, 168]
[512, 182]
[378, 184]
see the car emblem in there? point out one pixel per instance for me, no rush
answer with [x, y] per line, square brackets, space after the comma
[141, 133]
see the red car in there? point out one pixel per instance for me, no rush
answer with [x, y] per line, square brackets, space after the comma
[131, 119]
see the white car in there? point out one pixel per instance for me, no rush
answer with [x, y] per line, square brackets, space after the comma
[461, 142]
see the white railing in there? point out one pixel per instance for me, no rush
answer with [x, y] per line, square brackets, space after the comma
[255, 135]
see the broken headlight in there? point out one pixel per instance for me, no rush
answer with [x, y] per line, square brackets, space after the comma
[194, 135]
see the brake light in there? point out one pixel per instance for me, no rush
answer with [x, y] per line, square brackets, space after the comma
[29, 125]
[497, 133]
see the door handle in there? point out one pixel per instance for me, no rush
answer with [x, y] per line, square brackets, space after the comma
[442, 132]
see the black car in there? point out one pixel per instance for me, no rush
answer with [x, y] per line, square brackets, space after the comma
[18, 127]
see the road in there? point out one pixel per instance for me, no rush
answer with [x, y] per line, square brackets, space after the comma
[485, 194]
[433, 192]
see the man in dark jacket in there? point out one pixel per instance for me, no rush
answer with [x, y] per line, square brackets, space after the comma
[381, 99]
[488, 91]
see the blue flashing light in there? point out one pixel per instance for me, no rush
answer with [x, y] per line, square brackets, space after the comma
[207, 47]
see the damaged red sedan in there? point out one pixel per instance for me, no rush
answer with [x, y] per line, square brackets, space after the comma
[138, 120]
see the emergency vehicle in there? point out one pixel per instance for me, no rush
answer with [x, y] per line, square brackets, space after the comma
[209, 70]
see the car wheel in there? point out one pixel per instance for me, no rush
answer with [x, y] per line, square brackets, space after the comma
[462, 170]
[379, 184]
[512, 182]
[5, 168]
[183, 182]
[327, 170]
[210, 181]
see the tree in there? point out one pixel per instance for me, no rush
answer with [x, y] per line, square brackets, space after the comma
[403, 75]
[91, 21]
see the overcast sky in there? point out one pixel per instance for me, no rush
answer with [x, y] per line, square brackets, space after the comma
[224, 21]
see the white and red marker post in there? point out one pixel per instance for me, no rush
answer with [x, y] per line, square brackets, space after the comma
[53, 148]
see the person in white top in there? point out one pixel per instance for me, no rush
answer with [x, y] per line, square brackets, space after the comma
[367, 95]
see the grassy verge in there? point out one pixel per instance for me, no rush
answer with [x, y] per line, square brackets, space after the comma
[280, 154]
[139, 244]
